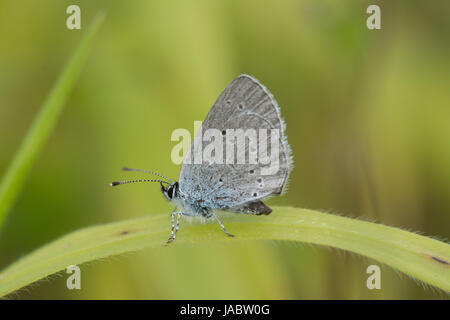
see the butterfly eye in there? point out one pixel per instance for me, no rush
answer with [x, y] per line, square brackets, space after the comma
[170, 192]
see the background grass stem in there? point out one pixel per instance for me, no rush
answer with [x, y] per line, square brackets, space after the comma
[44, 123]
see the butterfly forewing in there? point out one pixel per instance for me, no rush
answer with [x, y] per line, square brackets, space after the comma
[243, 104]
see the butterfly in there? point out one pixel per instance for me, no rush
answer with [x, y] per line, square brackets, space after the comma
[245, 105]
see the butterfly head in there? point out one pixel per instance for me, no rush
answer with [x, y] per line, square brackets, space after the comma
[170, 192]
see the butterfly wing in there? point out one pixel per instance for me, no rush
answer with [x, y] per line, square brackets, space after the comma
[253, 207]
[243, 104]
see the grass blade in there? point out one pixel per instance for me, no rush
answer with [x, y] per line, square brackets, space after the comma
[423, 258]
[43, 124]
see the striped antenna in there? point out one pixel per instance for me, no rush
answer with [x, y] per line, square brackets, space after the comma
[147, 171]
[116, 183]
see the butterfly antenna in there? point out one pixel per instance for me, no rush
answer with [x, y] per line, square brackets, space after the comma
[147, 171]
[116, 183]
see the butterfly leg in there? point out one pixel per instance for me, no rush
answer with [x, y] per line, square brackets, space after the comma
[221, 225]
[172, 232]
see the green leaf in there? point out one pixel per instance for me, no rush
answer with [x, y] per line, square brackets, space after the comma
[423, 258]
[44, 124]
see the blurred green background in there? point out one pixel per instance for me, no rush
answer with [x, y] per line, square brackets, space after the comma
[367, 112]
